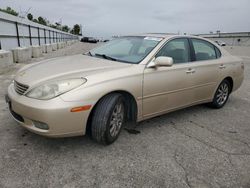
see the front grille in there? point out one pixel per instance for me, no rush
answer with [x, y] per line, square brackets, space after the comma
[20, 88]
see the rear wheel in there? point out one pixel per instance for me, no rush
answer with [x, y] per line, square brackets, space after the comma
[221, 95]
[108, 119]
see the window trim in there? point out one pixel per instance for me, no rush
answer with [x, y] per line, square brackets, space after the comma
[192, 52]
[217, 53]
[171, 39]
[214, 47]
[191, 49]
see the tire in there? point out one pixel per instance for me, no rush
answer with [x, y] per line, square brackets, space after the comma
[108, 119]
[221, 95]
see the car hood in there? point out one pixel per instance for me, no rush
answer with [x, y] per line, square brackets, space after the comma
[65, 67]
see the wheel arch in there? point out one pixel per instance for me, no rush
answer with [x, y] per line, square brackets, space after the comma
[130, 105]
[230, 80]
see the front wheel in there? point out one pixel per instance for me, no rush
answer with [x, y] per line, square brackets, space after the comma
[221, 95]
[108, 119]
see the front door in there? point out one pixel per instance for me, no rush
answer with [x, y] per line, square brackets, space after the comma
[168, 88]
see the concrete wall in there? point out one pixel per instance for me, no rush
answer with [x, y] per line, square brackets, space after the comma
[231, 39]
[242, 51]
[18, 32]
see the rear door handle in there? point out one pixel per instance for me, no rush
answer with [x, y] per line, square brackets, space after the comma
[190, 71]
[222, 66]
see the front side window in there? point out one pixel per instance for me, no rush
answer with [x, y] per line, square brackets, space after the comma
[178, 49]
[203, 50]
[127, 49]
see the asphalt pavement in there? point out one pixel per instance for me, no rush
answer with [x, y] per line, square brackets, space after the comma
[193, 147]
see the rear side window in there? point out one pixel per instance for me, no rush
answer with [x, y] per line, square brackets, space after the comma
[178, 49]
[204, 50]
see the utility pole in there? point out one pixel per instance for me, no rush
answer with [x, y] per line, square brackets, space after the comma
[81, 29]
[23, 15]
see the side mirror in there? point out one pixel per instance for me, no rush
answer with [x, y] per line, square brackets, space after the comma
[161, 61]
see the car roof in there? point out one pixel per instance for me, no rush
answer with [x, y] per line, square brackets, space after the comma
[164, 35]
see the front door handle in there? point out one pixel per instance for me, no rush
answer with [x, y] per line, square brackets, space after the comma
[190, 71]
[222, 66]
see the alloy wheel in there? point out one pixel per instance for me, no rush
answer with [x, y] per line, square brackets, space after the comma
[117, 118]
[222, 94]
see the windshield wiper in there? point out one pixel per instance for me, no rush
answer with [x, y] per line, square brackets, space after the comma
[106, 57]
[89, 53]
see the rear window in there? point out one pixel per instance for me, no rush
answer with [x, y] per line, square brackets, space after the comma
[204, 50]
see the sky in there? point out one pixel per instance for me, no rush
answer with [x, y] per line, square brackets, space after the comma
[105, 18]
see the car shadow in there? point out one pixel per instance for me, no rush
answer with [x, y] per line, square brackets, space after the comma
[179, 115]
[55, 144]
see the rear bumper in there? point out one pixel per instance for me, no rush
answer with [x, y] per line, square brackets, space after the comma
[55, 113]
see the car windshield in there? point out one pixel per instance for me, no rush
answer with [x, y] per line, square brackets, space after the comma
[127, 49]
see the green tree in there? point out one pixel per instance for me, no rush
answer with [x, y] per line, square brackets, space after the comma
[30, 16]
[53, 26]
[42, 20]
[9, 10]
[35, 20]
[76, 29]
[65, 28]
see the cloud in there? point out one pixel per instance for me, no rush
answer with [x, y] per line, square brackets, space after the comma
[115, 17]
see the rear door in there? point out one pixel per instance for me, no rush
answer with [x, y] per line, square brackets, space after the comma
[207, 69]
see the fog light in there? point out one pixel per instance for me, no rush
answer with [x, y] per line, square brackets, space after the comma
[41, 125]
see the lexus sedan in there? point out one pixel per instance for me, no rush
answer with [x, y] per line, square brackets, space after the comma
[126, 80]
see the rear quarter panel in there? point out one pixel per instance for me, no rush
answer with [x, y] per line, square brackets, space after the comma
[234, 69]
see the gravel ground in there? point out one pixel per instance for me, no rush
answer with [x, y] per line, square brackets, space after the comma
[194, 147]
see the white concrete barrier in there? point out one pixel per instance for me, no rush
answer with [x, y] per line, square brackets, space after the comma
[43, 48]
[22, 54]
[64, 44]
[6, 58]
[68, 43]
[37, 51]
[59, 45]
[48, 48]
[54, 46]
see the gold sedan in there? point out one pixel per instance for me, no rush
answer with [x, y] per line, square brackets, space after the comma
[128, 79]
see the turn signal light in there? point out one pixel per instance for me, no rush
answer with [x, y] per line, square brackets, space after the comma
[80, 108]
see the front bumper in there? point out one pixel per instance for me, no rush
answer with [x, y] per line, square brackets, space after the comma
[55, 113]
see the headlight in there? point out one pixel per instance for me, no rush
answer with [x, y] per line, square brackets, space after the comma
[55, 88]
